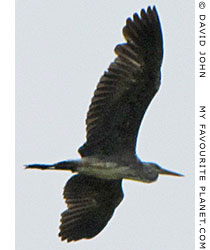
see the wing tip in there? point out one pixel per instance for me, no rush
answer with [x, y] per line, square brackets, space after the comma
[145, 26]
[146, 16]
[67, 238]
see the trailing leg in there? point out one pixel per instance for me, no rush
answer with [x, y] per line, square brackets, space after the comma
[63, 165]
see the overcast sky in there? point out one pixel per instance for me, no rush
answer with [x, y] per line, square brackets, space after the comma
[62, 49]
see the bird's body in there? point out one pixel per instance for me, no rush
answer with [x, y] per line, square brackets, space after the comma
[119, 103]
[110, 168]
[103, 169]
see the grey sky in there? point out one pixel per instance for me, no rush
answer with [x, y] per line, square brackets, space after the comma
[62, 49]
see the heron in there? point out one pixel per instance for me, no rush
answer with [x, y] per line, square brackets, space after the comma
[117, 108]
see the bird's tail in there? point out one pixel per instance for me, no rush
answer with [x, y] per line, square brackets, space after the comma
[63, 165]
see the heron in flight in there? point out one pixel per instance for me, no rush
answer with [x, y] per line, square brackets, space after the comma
[116, 111]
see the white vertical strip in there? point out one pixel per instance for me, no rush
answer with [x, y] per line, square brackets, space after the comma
[7, 101]
[202, 113]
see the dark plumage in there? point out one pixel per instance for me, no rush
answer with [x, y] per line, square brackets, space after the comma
[126, 89]
[91, 203]
[115, 114]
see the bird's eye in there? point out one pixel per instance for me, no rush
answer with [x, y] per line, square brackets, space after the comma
[151, 174]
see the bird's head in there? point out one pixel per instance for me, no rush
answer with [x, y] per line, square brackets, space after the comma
[150, 171]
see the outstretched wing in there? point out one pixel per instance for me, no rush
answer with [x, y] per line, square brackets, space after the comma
[126, 89]
[91, 203]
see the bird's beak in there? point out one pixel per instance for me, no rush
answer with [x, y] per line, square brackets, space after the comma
[167, 172]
